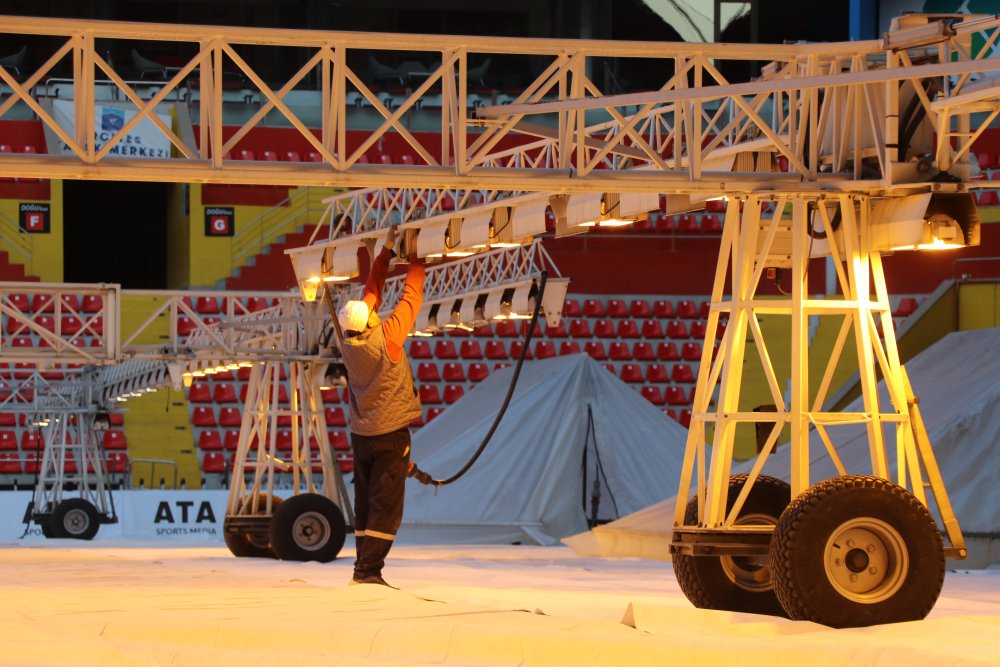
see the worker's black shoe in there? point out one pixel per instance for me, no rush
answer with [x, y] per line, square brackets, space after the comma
[375, 579]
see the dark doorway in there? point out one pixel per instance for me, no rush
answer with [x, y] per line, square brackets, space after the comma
[116, 233]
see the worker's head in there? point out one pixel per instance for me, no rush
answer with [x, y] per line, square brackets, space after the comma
[353, 317]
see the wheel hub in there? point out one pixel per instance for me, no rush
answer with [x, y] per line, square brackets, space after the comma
[311, 530]
[76, 522]
[750, 573]
[866, 560]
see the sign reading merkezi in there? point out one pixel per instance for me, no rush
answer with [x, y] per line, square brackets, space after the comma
[143, 140]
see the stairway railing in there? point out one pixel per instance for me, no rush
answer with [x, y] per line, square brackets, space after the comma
[303, 207]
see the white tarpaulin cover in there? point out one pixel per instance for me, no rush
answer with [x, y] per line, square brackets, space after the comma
[958, 382]
[529, 483]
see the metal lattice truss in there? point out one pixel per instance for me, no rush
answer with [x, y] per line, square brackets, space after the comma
[832, 112]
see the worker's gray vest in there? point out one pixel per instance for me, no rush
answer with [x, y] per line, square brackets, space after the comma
[383, 396]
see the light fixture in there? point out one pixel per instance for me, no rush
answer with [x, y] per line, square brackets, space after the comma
[609, 209]
[245, 364]
[198, 373]
[930, 221]
[314, 265]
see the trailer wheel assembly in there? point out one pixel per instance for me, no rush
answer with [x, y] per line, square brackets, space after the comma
[735, 583]
[244, 543]
[855, 551]
[308, 527]
[75, 518]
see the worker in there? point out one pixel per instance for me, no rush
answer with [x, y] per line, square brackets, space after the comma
[383, 402]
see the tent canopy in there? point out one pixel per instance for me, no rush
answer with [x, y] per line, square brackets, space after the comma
[569, 421]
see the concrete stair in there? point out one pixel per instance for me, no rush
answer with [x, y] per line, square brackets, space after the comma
[271, 269]
[159, 427]
[14, 272]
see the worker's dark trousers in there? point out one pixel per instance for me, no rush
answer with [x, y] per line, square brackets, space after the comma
[380, 464]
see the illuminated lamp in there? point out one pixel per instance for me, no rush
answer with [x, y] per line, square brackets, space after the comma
[610, 209]
[330, 375]
[432, 242]
[930, 221]
[314, 265]
[461, 314]
[527, 220]
[427, 319]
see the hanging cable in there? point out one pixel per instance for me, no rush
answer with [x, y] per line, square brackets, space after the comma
[425, 478]
[591, 428]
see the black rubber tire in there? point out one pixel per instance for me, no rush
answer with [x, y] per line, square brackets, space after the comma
[76, 519]
[308, 527]
[244, 545]
[46, 526]
[808, 535]
[712, 582]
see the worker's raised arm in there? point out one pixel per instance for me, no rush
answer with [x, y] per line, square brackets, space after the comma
[398, 325]
[380, 269]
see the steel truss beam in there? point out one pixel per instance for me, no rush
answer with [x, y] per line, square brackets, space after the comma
[823, 108]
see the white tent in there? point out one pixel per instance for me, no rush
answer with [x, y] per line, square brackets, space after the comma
[536, 475]
[958, 382]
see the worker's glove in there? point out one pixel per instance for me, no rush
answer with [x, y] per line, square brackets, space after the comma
[418, 474]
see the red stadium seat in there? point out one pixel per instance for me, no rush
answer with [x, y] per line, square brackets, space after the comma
[515, 350]
[10, 464]
[429, 394]
[506, 329]
[595, 349]
[666, 224]
[330, 395]
[616, 308]
[42, 303]
[579, 329]
[8, 441]
[224, 393]
[20, 302]
[495, 349]
[32, 441]
[656, 373]
[213, 462]
[906, 307]
[445, 349]
[571, 308]
[639, 309]
[568, 347]
[685, 418]
[452, 393]
[691, 351]
[682, 373]
[204, 416]
[478, 372]
[335, 417]
[711, 224]
[117, 462]
[643, 351]
[470, 349]
[420, 349]
[70, 324]
[653, 395]
[674, 395]
[705, 309]
[256, 304]
[688, 224]
[631, 373]
[427, 371]
[91, 303]
[557, 331]
[988, 198]
[231, 440]
[699, 329]
[687, 310]
[432, 413]
[663, 309]
[232, 417]
[604, 329]
[338, 440]
[677, 329]
[283, 441]
[209, 441]
[593, 308]
[185, 325]
[618, 351]
[715, 206]
[652, 329]
[207, 305]
[483, 331]
[525, 324]
[114, 439]
[627, 329]
[545, 349]
[453, 372]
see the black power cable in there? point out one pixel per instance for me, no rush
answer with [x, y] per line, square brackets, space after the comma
[425, 478]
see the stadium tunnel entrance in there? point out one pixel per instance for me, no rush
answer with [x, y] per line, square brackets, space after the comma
[116, 232]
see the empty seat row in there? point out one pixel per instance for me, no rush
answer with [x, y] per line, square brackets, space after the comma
[219, 463]
[451, 372]
[637, 308]
[429, 394]
[44, 303]
[66, 325]
[656, 373]
[28, 463]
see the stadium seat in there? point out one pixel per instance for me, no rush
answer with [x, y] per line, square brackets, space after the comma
[232, 417]
[571, 308]
[711, 224]
[515, 350]
[453, 372]
[8, 441]
[70, 324]
[705, 309]
[209, 440]
[557, 331]
[427, 371]
[452, 393]
[687, 310]
[495, 349]
[593, 308]
[604, 329]
[906, 307]
[677, 329]
[628, 329]
[666, 224]
[616, 308]
[470, 349]
[988, 198]
[42, 303]
[283, 441]
[207, 305]
[291, 156]
[691, 351]
[537, 332]
[506, 329]
[483, 331]
[595, 349]
[432, 413]
[684, 419]
[545, 349]
[339, 441]
[715, 206]
[674, 395]
[346, 462]
[579, 329]
[204, 416]
[643, 351]
[682, 373]
[420, 349]
[663, 309]
[224, 393]
[569, 347]
[429, 394]
[478, 372]
[688, 224]
[445, 349]
[652, 329]
[114, 439]
[31, 461]
[32, 441]
[231, 440]
[618, 351]
[256, 304]
[330, 395]
[91, 303]
[185, 325]
[652, 394]
[698, 329]
[10, 463]
[335, 417]
[631, 373]
[117, 463]
[639, 309]
[213, 462]
[19, 301]
[656, 373]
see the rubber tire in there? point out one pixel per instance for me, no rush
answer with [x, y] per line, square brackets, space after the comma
[796, 555]
[71, 509]
[285, 541]
[703, 579]
[47, 529]
[242, 545]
